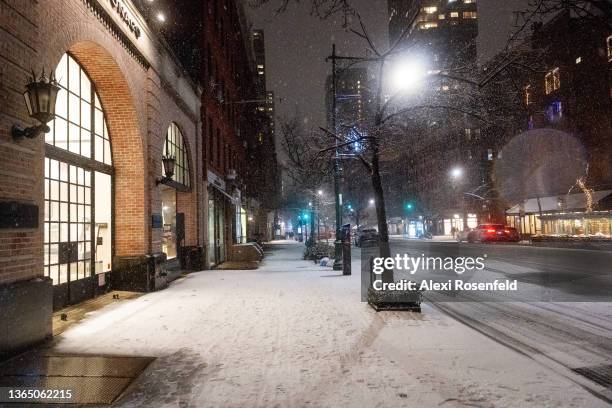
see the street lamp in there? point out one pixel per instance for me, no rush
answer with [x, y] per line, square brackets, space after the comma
[456, 172]
[40, 96]
[320, 192]
[407, 74]
[371, 201]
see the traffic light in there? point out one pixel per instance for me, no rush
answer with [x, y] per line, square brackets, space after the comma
[409, 206]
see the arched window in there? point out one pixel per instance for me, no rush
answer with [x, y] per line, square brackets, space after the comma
[175, 147]
[79, 116]
[78, 186]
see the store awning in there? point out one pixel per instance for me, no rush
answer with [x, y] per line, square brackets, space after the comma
[232, 199]
[570, 202]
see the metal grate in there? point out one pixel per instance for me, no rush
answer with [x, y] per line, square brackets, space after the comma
[92, 379]
[602, 374]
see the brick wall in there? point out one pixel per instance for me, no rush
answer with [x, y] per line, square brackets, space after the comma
[139, 105]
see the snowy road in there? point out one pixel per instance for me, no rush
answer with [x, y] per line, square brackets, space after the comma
[293, 334]
[566, 335]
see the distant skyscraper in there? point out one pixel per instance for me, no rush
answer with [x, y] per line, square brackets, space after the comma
[445, 30]
[353, 103]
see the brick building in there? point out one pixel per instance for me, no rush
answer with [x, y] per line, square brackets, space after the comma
[562, 111]
[95, 180]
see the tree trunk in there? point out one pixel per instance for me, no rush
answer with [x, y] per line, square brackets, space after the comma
[381, 213]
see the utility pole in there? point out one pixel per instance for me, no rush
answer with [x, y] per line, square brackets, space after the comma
[337, 194]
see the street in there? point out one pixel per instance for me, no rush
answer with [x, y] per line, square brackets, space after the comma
[293, 333]
[573, 331]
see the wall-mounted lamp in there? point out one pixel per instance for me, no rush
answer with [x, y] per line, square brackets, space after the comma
[40, 97]
[168, 163]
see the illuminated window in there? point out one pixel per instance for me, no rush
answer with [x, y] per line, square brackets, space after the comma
[552, 81]
[609, 44]
[79, 116]
[578, 60]
[77, 206]
[554, 111]
[454, 14]
[527, 94]
[175, 147]
[469, 14]
[441, 17]
[469, 1]
[260, 66]
[430, 10]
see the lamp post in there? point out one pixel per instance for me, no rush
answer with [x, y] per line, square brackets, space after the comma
[40, 97]
[457, 175]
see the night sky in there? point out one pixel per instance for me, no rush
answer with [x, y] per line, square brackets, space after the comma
[297, 44]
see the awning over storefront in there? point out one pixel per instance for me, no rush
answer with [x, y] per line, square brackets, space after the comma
[547, 204]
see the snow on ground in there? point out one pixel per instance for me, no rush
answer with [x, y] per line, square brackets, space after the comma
[293, 334]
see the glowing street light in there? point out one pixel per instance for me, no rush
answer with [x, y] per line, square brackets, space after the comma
[320, 192]
[456, 172]
[371, 201]
[408, 74]
[161, 17]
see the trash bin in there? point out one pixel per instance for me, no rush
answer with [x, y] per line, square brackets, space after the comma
[346, 248]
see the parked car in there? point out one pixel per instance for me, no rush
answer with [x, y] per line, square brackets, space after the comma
[464, 235]
[366, 234]
[493, 233]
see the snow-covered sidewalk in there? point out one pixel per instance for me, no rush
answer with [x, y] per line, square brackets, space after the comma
[293, 334]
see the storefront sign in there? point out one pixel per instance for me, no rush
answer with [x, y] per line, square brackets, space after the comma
[157, 221]
[123, 12]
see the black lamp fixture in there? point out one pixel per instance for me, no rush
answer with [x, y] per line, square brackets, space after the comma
[168, 163]
[40, 97]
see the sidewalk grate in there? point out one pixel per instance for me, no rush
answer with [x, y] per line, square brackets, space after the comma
[92, 379]
[602, 374]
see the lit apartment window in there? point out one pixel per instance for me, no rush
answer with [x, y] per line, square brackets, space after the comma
[441, 16]
[469, 1]
[578, 60]
[489, 154]
[430, 10]
[428, 25]
[260, 66]
[454, 14]
[445, 88]
[527, 94]
[609, 43]
[469, 14]
[552, 81]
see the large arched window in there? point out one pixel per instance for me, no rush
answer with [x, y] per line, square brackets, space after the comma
[175, 147]
[78, 186]
[79, 116]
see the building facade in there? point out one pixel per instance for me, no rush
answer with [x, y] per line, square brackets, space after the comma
[443, 38]
[102, 212]
[565, 113]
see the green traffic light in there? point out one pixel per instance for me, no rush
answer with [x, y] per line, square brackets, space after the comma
[409, 206]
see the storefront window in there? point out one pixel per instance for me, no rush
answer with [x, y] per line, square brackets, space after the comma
[175, 147]
[77, 244]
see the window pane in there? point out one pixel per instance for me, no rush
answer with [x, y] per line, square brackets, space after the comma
[85, 115]
[74, 108]
[74, 75]
[74, 137]
[61, 104]
[61, 134]
[85, 87]
[85, 143]
[99, 149]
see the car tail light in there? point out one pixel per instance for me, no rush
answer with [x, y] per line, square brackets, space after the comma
[490, 230]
